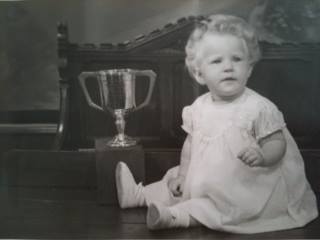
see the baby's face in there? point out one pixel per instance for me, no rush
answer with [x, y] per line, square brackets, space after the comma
[224, 65]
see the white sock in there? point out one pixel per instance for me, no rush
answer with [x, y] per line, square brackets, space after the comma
[129, 193]
[162, 217]
[182, 217]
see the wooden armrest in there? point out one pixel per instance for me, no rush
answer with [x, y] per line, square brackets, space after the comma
[28, 128]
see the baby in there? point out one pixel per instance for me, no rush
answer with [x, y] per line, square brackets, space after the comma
[240, 169]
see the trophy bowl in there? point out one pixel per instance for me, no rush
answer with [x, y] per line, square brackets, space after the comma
[117, 89]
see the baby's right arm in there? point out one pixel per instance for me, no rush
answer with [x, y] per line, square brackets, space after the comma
[185, 157]
[176, 184]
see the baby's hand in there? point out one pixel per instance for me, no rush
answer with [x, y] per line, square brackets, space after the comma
[176, 185]
[252, 156]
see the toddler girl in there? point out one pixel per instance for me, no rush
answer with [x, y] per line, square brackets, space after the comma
[240, 170]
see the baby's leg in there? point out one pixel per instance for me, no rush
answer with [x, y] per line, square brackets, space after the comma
[159, 191]
[131, 194]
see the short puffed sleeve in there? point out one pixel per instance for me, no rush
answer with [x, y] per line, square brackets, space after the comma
[187, 125]
[268, 121]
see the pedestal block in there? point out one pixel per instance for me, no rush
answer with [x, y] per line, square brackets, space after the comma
[106, 161]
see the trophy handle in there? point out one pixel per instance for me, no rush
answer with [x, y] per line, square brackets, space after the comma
[82, 79]
[152, 77]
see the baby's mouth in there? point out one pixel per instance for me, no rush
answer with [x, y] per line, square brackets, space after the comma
[228, 79]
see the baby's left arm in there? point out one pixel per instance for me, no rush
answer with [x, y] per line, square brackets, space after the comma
[271, 149]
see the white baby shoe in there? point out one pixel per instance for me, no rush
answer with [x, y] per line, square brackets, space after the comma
[130, 194]
[162, 217]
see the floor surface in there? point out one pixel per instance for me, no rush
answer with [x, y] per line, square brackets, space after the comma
[88, 220]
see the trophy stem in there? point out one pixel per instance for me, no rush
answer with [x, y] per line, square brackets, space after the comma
[120, 122]
[121, 140]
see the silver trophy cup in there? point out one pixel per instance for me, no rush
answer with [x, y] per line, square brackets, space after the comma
[117, 92]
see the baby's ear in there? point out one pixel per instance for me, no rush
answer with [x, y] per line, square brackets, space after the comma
[198, 77]
[250, 68]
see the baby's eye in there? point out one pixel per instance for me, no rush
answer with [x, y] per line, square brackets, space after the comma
[237, 59]
[215, 61]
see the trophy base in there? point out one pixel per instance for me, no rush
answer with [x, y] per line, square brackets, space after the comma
[122, 141]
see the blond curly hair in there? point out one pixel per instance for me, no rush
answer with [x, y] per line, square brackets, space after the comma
[223, 24]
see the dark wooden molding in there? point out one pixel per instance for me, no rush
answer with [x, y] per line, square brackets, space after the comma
[27, 128]
[63, 116]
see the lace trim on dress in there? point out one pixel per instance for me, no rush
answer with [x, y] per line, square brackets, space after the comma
[243, 121]
[267, 121]
[207, 139]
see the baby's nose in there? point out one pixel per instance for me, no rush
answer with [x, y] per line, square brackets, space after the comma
[228, 66]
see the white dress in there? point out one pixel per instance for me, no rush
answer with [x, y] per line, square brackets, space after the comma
[221, 191]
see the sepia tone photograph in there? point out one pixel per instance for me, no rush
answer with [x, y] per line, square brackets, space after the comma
[159, 119]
